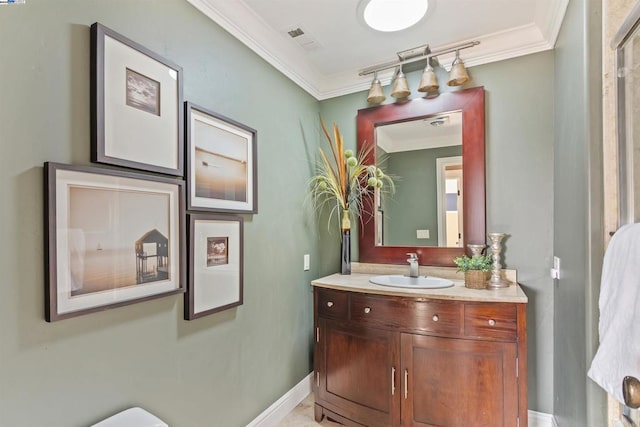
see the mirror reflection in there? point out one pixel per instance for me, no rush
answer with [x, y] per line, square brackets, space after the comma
[425, 155]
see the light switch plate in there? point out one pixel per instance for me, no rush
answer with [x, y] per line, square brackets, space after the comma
[422, 234]
[307, 262]
[555, 271]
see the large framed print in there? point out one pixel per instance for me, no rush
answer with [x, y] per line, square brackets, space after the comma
[112, 238]
[215, 264]
[136, 105]
[221, 163]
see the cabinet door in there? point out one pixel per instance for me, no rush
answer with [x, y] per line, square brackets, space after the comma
[358, 373]
[458, 383]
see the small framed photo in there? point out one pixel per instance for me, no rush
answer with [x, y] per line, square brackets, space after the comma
[136, 105]
[221, 163]
[112, 238]
[215, 264]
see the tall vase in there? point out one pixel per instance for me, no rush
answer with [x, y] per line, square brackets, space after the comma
[345, 252]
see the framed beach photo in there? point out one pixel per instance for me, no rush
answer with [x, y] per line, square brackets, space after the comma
[112, 238]
[221, 163]
[136, 105]
[215, 264]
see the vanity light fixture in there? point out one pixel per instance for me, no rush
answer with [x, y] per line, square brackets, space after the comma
[458, 75]
[400, 85]
[428, 81]
[376, 94]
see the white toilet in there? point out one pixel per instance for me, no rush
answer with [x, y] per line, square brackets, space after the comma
[132, 417]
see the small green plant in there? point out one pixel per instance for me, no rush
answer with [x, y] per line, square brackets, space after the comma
[477, 262]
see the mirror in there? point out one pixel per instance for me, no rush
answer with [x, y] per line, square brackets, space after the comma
[426, 156]
[378, 241]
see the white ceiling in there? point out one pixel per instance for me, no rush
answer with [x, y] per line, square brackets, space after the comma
[325, 61]
[421, 134]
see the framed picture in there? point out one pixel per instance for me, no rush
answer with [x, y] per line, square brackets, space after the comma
[221, 163]
[136, 105]
[112, 238]
[215, 264]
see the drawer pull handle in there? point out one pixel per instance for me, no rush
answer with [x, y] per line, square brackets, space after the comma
[492, 322]
[435, 317]
[406, 383]
[367, 310]
[329, 304]
[393, 381]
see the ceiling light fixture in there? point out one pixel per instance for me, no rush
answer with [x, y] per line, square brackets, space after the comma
[438, 121]
[428, 81]
[394, 15]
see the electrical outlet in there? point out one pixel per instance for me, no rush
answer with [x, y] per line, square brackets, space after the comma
[307, 262]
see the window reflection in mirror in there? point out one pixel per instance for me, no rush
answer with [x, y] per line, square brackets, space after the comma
[425, 158]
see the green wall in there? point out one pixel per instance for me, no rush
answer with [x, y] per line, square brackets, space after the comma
[578, 229]
[542, 189]
[519, 161]
[416, 187]
[220, 370]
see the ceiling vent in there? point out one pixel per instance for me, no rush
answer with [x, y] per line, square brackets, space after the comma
[295, 33]
[301, 37]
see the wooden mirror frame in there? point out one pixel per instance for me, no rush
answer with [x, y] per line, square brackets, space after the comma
[471, 103]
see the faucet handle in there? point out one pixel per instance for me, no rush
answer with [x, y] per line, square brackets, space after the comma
[412, 256]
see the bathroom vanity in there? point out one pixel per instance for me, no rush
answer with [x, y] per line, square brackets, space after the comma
[385, 356]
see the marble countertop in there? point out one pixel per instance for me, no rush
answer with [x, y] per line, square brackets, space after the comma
[359, 282]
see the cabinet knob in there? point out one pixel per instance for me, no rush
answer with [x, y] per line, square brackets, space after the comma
[492, 322]
[329, 304]
[367, 310]
[435, 317]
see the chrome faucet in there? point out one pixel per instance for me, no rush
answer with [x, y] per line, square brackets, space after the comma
[413, 264]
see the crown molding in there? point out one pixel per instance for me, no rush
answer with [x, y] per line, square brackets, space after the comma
[242, 23]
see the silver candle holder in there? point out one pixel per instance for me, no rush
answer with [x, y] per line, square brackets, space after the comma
[476, 250]
[496, 281]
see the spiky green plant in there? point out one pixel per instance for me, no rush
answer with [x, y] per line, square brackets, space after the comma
[343, 180]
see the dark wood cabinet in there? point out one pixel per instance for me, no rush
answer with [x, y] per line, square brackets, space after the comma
[458, 382]
[358, 364]
[405, 361]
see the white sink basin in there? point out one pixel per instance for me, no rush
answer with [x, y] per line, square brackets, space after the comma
[422, 282]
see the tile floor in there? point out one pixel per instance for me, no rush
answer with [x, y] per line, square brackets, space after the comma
[302, 416]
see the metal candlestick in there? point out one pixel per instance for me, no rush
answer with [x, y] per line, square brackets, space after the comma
[496, 281]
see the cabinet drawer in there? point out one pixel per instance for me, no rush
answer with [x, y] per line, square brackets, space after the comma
[439, 317]
[493, 321]
[332, 304]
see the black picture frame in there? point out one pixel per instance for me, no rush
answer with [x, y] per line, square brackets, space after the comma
[97, 254]
[136, 105]
[215, 143]
[214, 286]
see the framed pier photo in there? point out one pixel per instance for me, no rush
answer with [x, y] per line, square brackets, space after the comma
[112, 238]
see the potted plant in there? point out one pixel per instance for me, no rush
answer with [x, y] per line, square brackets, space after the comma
[343, 182]
[477, 270]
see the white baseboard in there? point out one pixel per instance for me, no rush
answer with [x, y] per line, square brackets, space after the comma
[275, 413]
[540, 419]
